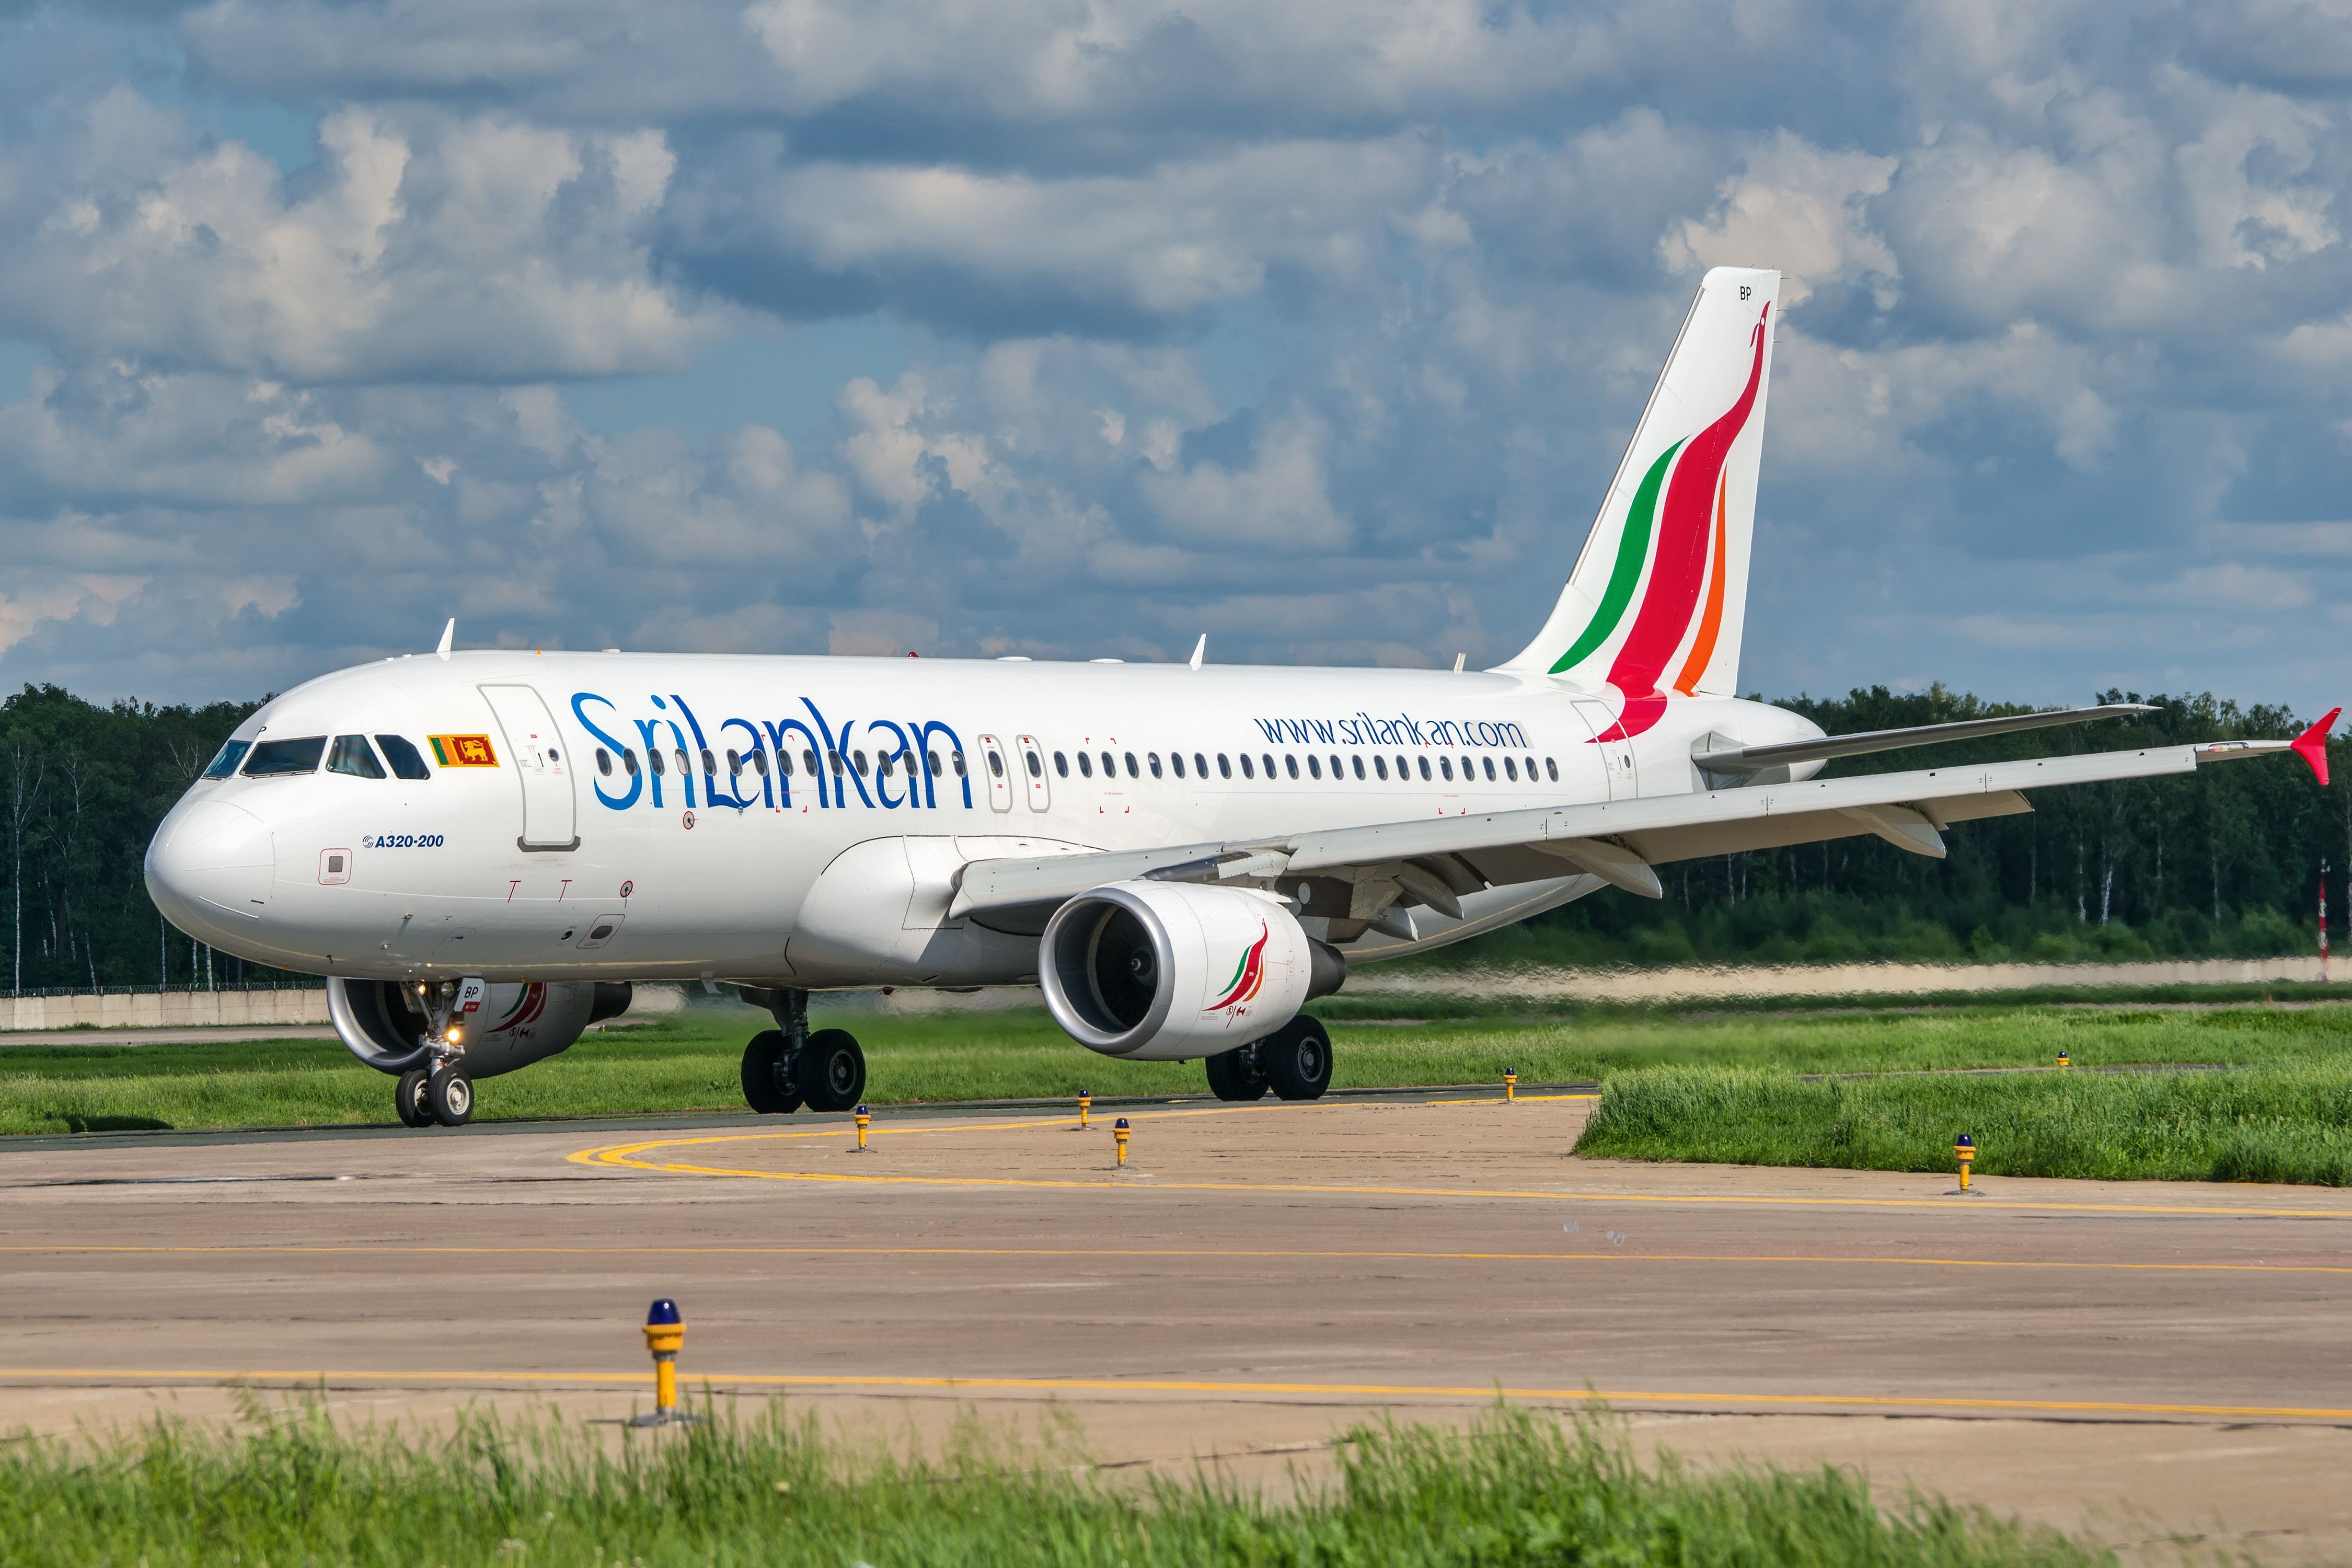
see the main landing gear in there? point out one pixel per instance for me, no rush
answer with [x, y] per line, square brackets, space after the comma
[787, 1066]
[1295, 1061]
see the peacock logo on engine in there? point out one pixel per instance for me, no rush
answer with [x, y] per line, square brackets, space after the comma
[1248, 975]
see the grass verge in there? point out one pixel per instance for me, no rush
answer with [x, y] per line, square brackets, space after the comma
[2284, 1124]
[1513, 1489]
[690, 1062]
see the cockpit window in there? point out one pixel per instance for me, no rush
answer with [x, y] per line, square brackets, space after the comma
[274, 758]
[350, 756]
[407, 762]
[224, 763]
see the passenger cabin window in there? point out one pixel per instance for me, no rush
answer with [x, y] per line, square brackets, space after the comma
[759, 762]
[1224, 768]
[1359, 767]
[1268, 760]
[1552, 769]
[1085, 765]
[1490, 770]
[996, 765]
[933, 758]
[276, 758]
[1246, 766]
[1036, 765]
[1153, 758]
[1335, 767]
[1292, 763]
[808, 760]
[784, 763]
[629, 761]
[1132, 771]
[1314, 766]
[858, 757]
[1062, 764]
[224, 761]
[1446, 768]
[1176, 761]
[655, 759]
[685, 764]
[604, 762]
[1111, 766]
[1511, 769]
[351, 754]
[734, 763]
[1200, 764]
[956, 760]
[1380, 769]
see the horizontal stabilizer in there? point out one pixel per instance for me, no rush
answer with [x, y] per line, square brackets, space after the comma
[2312, 745]
[1756, 758]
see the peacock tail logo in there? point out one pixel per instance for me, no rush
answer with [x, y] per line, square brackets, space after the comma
[526, 1009]
[1688, 556]
[1248, 975]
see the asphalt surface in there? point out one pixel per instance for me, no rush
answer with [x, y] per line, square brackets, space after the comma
[2143, 1361]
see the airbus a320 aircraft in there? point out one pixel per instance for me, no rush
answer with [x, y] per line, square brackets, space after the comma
[485, 848]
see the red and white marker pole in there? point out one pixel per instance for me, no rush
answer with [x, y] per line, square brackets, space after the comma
[2322, 923]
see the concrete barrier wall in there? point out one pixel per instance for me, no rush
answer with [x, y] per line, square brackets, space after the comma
[164, 1010]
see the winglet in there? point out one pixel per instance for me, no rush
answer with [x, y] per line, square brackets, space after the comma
[2312, 745]
[448, 635]
[1199, 648]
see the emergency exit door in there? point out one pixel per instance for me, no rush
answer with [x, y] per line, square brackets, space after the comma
[550, 820]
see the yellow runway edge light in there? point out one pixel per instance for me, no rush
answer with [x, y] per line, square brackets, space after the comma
[665, 1337]
[1119, 1133]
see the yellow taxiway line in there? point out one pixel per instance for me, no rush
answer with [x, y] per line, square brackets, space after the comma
[623, 1156]
[1457, 1392]
[298, 1249]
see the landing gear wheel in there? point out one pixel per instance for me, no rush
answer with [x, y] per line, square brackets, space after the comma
[1238, 1074]
[1298, 1059]
[769, 1086]
[449, 1095]
[408, 1099]
[833, 1070]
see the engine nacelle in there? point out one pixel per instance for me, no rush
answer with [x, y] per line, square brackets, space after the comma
[1169, 971]
[383, 1022]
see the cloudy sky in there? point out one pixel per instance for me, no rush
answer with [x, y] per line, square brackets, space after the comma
[1076, 328]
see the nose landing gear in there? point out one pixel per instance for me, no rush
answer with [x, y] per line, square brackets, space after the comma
[787, 1066]
[438, 1091]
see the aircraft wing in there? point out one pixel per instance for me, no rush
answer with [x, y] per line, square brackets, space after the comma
[1436, 860]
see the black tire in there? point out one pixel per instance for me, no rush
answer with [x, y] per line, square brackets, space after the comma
[833, 1070]
[1238, 1074]
[449, 1095]
[768, 1088]
[1298, 1059]
[408, 1099]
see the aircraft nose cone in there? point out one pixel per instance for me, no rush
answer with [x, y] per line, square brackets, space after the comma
[210, 859]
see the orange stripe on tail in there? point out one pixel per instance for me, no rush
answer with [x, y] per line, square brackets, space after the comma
[1710, 624]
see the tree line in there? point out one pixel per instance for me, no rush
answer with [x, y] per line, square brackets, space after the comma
[2224, 861]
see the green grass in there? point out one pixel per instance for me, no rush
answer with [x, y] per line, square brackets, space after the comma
[2284, 1124]
[689, 1061]
[1516, 1489]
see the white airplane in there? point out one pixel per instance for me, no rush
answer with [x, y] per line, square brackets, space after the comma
[485, 848]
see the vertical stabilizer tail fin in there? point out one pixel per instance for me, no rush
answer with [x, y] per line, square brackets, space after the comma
[1659, 597]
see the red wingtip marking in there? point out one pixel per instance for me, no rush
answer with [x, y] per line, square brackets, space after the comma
[2312, 745]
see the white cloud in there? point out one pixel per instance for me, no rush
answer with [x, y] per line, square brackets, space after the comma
[477, 249]
[1800, 208]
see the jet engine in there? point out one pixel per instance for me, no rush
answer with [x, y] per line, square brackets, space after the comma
[1169, 971]
[383, 1022]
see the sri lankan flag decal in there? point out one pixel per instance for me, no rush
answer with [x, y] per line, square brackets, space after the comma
[463, 751]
